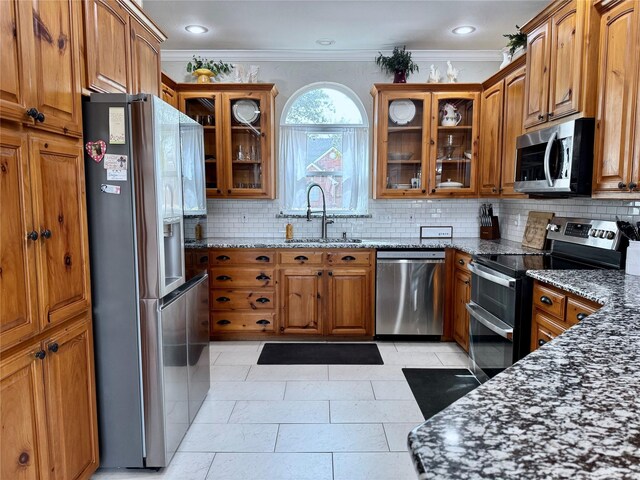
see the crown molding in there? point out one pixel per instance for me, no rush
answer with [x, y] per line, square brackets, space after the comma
[329, 55]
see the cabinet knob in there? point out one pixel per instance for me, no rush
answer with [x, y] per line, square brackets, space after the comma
[46, 233]
[550, 114]
[40, 117]
[633, 186]
[622, 185]
[541, 342]
[218, 190]
[546, 300]
[461, 262]
[32, 112]
[41, 354]
[433, 190]
[581, 316]
[331, 274]
[319, 274]
[431, 142]
[494, 190]
[424, 190]
[53, 347]
[33, 235]
[229, 191]
[467, 282]
[540, 117]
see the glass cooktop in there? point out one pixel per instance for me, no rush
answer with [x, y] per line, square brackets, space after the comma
[517, 265]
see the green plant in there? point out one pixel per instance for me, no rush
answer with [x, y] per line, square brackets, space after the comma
[399, 61]
[516, 40]
[216, 67]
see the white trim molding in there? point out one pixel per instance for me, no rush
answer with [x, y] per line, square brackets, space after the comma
[329, 55]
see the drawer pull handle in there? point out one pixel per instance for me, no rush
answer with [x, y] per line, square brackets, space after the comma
[223, 278]
[348, 258]
[546, 300]
[262, 258]
[541, 342]
[581, 316]
[301, 258]
[461, 262]
[223, 299]
[222, 258]
[263, 300]
[223, 322]
[263, 322]
[262, 276]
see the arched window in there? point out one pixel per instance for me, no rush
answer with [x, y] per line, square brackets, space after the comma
[324, 139]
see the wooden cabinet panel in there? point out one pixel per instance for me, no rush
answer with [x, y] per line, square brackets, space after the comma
[107, 44]
[15, 59]
[577, 310]
[461, 296]
[18, 305]
[145, 60]
[300, 291]
[543, 330]
[350, 303]
[537, 82]
[350, 257]
[235, 322]
[462, 260]
[243, 256]
[55, 69]
[512, 127]
[57, 172]
[614, 119]
[71, 403]
[548, 300]
[301, 257]
[490, 139]
[232, 277]
[170, 96]
[24, 452]
[242, 300]
[566, 60]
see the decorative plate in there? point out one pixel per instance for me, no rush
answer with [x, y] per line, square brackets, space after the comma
[246, 111]
[402, 112]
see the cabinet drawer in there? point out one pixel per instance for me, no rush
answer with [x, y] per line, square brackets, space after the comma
[232, 277]
[549, 301]
[577, 310]
[242, 322]
[301, 257]
[242, 300]
[544, 330]
[241, 257]
[349, 257]
[462, 260]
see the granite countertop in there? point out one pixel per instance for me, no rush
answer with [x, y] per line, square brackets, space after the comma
[571, 409]
[472, 246]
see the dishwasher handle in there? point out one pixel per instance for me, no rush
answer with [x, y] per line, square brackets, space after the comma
[409, 261]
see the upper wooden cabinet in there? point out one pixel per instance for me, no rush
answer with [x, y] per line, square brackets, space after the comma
[169, 92]
[239, 151]
[616, 170]
[121, 48]
[40, 81]
[417, 152]
[501, 124]
[561, 62]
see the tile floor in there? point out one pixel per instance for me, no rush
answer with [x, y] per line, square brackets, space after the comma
[299, 422]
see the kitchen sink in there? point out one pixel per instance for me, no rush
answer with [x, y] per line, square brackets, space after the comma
[324, 240]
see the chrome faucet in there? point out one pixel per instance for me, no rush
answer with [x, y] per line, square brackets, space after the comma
[325, 222]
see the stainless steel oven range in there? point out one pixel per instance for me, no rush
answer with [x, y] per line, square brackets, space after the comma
[501, 293]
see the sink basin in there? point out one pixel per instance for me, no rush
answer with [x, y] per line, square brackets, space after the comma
[324, 240]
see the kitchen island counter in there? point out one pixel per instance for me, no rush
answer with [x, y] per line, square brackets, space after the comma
[568, 410]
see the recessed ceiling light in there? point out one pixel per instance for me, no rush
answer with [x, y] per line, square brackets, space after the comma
[196, 29]
[325, 42]
[464, 30]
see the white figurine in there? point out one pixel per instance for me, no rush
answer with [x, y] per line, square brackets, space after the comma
[434, 74]
[452, 73]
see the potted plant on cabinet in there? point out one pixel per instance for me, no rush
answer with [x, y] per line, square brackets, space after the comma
[399, 63]
[204, 69]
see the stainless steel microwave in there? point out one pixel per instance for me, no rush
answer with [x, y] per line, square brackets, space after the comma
[556, 161]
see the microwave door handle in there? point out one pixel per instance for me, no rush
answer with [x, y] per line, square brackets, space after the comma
[547, 158]
[487, 275]
[492, 323]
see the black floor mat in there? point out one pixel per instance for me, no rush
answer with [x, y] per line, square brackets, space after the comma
[436, 388]
[320, 354]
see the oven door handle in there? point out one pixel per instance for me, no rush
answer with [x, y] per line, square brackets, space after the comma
[547, 158]
[492, 276]
[491, 322]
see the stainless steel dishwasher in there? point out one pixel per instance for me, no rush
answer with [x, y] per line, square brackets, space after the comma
[409, 292]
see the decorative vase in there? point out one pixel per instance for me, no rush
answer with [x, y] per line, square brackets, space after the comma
[203, 75]
[400, 76]
[506, 58]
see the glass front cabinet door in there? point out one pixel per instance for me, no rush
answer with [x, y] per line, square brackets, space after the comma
[454, 155]
[403, 145]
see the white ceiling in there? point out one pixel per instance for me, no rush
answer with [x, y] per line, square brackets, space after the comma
[353, 24]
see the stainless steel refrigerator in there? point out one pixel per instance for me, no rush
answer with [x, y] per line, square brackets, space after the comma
[151, 327]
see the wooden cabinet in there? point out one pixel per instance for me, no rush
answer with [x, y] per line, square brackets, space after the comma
[41, 64]
[554, 311]
[301, 295]
[616, 171]
[349, 301]
[121, 48]
[169, 92]
[47, 407]
[461, 295]
[423, 154]
[561, 55]
[239, 152]
[501, 124]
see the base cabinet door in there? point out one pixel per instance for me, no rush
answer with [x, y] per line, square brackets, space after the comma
[301, 300]
[462, 295]
[24, 449]
[349, 302]
[71, 403]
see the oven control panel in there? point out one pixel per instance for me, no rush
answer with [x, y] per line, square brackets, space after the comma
[582, 231]
[579, 230]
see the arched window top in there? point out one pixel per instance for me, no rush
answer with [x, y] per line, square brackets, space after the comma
[324, 103]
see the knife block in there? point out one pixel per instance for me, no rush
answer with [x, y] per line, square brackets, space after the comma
[491, 232]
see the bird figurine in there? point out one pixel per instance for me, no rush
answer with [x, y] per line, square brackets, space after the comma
[452, 73]
[434, 74]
